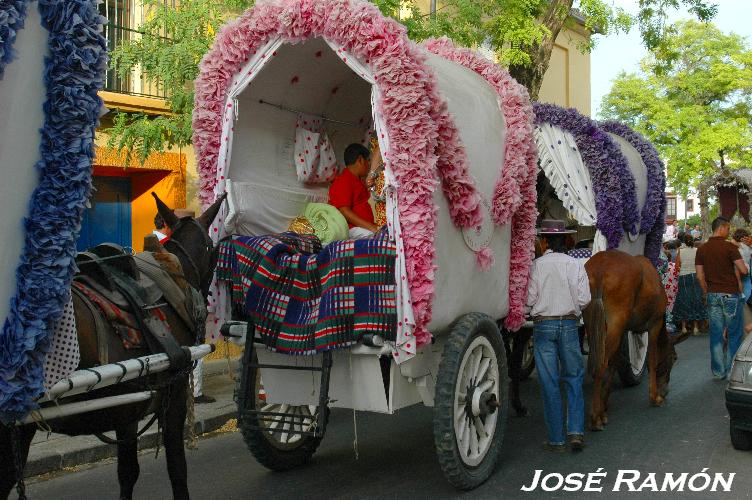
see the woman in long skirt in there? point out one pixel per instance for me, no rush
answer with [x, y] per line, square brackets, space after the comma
[689, 306]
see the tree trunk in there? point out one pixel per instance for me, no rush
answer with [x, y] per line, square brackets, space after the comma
[704, 215]
[531, 77]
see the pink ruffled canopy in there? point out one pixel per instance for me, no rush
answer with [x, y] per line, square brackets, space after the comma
[424, 144]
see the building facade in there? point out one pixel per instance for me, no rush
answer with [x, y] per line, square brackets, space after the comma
[567, 81]
[122, 209]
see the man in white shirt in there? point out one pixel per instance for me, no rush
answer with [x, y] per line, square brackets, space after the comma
[557, 292]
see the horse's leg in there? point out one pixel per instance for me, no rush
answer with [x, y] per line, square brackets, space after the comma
[521, 339]
[607, 385]
[127, 465]
[602, 378]
[173, 425]
[655, 398]
[8, 454]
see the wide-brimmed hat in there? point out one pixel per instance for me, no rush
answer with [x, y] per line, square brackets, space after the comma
[553, 226]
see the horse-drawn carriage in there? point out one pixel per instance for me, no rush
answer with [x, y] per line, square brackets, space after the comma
[608, 181]
[442, 116]
[412, 314]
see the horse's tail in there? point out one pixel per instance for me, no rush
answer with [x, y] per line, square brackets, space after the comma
[596, 330]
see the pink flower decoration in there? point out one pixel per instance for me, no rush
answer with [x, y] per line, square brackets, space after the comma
[514, 194]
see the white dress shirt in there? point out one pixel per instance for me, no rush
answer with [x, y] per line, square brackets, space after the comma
[558, 286]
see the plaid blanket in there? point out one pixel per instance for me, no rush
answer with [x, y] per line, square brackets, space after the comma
[305, 299]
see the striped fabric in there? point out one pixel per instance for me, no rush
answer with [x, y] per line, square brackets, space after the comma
[304, 299]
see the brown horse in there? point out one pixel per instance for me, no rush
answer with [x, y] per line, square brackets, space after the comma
[627, 295]
[192, 246]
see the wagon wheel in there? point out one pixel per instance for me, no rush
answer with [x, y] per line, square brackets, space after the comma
[528, 359]
[471, 402]
[634, 354]
[275, 450]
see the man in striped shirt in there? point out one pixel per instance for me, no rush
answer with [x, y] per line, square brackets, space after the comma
[557, 292]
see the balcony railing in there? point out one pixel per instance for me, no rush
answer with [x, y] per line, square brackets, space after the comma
[122, 16]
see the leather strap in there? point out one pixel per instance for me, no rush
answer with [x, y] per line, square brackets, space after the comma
[157, 336]
[538, 319]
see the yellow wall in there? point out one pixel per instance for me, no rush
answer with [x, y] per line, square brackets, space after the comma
[164, 174]
[567, 81]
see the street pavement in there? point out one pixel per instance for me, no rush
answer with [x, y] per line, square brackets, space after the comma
[396, 458]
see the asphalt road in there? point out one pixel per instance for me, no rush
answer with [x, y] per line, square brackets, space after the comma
[396, 455]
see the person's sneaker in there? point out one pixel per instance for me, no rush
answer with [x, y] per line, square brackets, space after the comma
[577, 442]
[203, 399]
[556, 448]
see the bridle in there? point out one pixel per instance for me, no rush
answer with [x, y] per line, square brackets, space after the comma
[173, 245]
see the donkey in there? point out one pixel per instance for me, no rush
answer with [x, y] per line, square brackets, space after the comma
[627, 295]
[191, 244]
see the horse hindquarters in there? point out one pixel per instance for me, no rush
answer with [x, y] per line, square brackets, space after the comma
[11, 452]
[602, 369]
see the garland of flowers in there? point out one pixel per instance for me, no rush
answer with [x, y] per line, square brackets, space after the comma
[613, 183]
[74, 72]
[652, 220]
[514, 193]
[12, 16]
[406, 84]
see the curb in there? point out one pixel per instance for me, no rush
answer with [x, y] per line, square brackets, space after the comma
[64, 452]
[93, 450]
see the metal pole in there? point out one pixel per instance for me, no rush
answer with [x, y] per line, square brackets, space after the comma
[69, 409]
[433, 8]
[97, 377]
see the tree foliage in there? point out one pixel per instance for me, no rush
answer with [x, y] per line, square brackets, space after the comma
[692, 98]
[520, 33]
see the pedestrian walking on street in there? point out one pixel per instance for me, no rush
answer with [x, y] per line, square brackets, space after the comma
[557, 293]
[717, 263]
[689, 308]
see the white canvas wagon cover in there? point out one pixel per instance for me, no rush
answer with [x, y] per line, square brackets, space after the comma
[454, 129]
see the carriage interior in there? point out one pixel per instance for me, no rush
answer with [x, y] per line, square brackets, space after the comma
[301, 83]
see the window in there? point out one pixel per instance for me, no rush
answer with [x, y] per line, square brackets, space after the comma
[690, 205]
[117, 30]
[671, 207]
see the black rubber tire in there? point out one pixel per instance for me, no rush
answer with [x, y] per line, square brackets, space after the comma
[267, 452]
[527, 369]
[626, 375]
[463, 332]
[741, 439]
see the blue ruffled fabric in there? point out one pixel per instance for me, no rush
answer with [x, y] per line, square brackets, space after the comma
[613, 182]
[652, 222]
[12, 16]
[74, 72]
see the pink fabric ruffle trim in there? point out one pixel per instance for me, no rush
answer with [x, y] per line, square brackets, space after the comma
[409, 105]
[514, 194]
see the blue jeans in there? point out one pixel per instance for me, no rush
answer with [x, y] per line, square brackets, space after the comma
[557, 343]
[725, 311]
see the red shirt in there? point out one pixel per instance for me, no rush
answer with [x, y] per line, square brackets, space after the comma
[349, 191]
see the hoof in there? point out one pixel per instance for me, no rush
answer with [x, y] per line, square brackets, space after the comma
[605, 419]
[658, 401]
[596, 424]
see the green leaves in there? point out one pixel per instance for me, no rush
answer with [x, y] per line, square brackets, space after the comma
[172, 40]
[693, 99]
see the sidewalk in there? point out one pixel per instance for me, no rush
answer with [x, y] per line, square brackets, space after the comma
[57, 452]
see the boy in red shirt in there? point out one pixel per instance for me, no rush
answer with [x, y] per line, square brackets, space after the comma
[349, 194]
